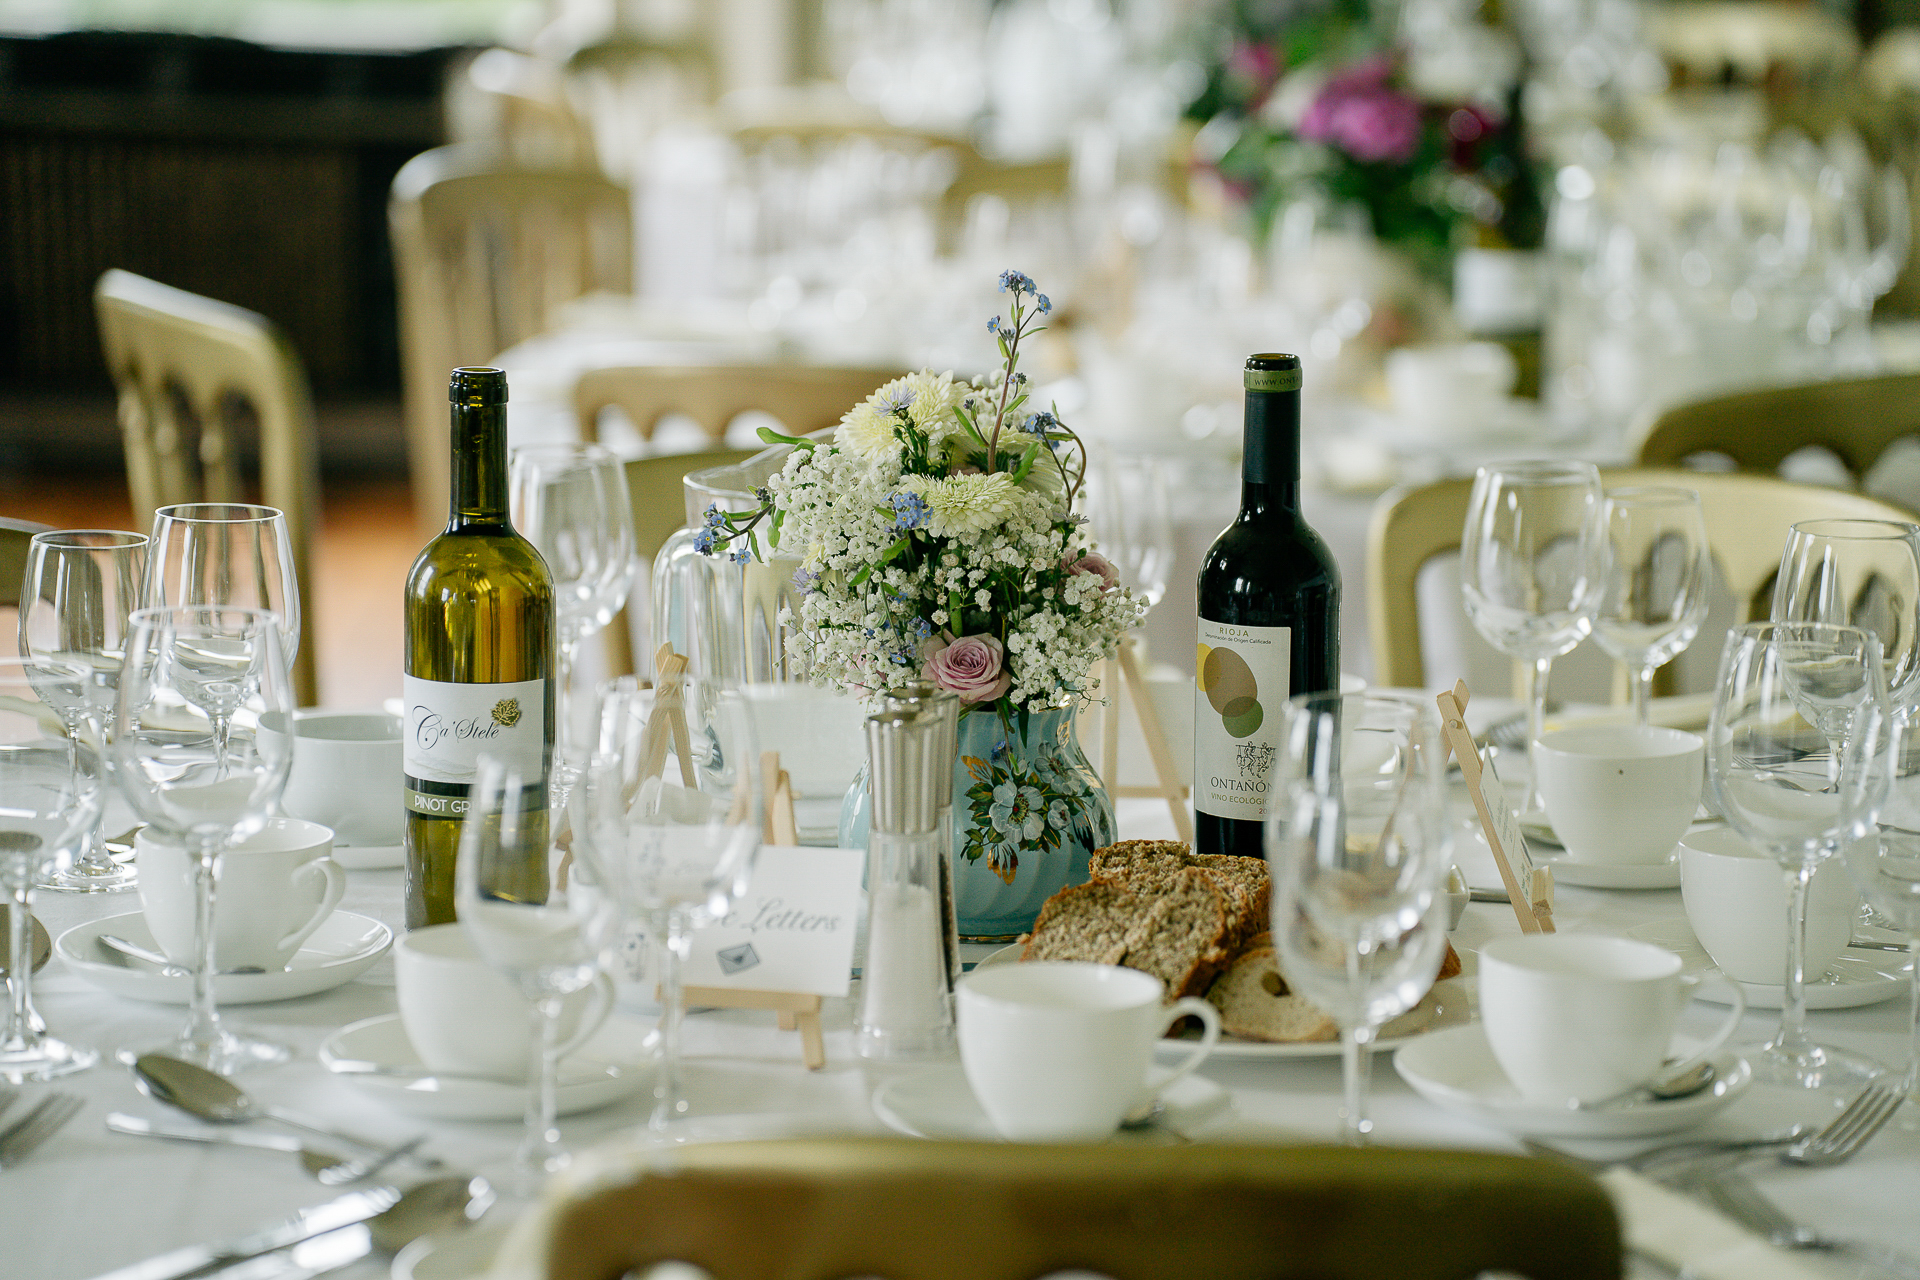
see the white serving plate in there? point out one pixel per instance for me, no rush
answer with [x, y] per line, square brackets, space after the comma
[1857, 978]
[1455, 1070]
[340, 950]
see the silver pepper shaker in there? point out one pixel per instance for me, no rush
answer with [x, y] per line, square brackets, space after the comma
[926, 698]
[906, 988]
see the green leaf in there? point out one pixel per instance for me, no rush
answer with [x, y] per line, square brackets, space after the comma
[1004, 353]
[1026, 462]
[769, 436]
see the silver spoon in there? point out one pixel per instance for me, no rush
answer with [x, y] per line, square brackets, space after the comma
[429, 1207]
[330, 1169]
[211, 1096]
[168, 969]
[1660, 1088]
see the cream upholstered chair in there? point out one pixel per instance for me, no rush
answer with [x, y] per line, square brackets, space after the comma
[15, 537]
[804, 398]
[483, 255]
[167, 349]
[1746, 518]
[917, 1210]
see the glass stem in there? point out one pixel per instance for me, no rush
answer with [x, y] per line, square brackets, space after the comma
[540, 1151]
[1537, 672]
[1356, 1062]
[1913, 1009]
[1643, 696]
[19, 1034]
[1792, 1039]
[203, 1017]
[667, 1102]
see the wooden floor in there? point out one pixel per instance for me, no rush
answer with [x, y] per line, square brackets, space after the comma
[367, 542]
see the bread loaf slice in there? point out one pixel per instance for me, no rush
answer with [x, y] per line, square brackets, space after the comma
[1174, 928]
[1257, 1003]
[1246, 881]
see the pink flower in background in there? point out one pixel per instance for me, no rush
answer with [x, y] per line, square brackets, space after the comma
[1361, 114]
[972, 667]
[1094, 562]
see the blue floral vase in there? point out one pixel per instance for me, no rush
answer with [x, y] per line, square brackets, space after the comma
[1027, 810]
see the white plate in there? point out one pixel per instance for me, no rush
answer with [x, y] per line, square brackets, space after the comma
[1455, 1070]
[339, 951]
[464, 1253]
[938, 1103]
[1857, 977]
[604, 1070]
[370, 857]
[1611, 875]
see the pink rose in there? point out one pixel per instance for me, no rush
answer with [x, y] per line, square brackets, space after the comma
[1094, 562]
[1361, 114]
[970, 666]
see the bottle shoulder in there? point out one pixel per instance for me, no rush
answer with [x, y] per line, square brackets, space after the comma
[479, 564]
[1306, 554]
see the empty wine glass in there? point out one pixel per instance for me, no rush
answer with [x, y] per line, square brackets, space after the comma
[548, 940]
[677, 850]
[1359, 849]
[571, 501]
[1858, 573]
[1886, 867]
[230, 554]
[52, 793]
[1132, 519]
[1531, 569]
[81, 586]
[1656, 566]
[1795, 765]
[189, 757]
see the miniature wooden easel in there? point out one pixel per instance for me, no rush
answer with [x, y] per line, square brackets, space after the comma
[667, 729]
[1170, 788]
[1529, 888]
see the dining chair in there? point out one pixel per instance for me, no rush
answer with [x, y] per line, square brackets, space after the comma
[1746, 516]
[185, 368]
[483, 253]
[813, 1209]
[1855, 418]
[15, 537]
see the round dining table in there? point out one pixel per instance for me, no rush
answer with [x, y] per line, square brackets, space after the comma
[91, 1200]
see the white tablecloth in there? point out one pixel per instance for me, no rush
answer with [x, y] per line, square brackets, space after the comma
[90, 1200]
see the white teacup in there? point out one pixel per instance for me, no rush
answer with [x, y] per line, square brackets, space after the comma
[1580, 1017]
[1620, 793]
[346, 774]
[1059, 1051]
[464, 1017]
[1736, 898]
[274, 888]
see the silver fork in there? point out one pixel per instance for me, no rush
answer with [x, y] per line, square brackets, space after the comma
[24, 1135]
[1847, 1132]
[1735, 1195]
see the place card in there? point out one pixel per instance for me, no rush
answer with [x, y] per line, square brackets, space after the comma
[1529, 888]
[792, 931]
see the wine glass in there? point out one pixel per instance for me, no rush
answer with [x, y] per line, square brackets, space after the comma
[1531, 568]
[1132, 518]
[1886, 867]
[571, 502]
[190, 759]
[676, 848]
[226, 554]
[1657, 567]
[1794, 765]
[548, 940]
[81, 586]
[1858, 573]
[53, 791]
[1359, 850]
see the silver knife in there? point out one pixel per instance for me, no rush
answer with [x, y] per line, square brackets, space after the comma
[141, 1127]
[203, 1259]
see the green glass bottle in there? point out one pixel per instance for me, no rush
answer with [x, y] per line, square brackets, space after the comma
[479, 657]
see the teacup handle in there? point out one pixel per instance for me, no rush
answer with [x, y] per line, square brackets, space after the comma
[1209, 1036]
[1719, 1037]
[598, 1007]
[336, 878]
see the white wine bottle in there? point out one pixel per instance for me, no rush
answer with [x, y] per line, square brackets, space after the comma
[1269, 620]
[479, 658]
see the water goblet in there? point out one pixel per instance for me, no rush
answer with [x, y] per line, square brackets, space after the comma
[81, 586]
[571, 501]
[228, 554]
[1359, 850]
[1858, 573]
[53, 794]
[1531, 569]
[549, 941]
[190, 758]
[1657, 567]
[1795, 763]
[676, 847]
[1132, 519]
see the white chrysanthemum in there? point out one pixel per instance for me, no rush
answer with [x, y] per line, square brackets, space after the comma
[961, 505]
[934, 398]
[867, 429]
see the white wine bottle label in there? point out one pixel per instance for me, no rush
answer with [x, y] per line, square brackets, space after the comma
[451, 725]
[1242, 685]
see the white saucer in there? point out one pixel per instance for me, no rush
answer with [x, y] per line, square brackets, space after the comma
[370, 857]
[339, 951]
[1455, 1070]
[937, 1103]
[1447, 1005]
[1857, 977]
[604, 1070]
[1611, 875]
[463, 1253]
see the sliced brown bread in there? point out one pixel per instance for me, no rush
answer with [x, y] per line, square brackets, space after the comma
[1174, 928]
[1256, 1003]
[1248, 885]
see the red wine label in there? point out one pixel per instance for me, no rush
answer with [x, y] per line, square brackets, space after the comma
[1242, 685]
[450, 725]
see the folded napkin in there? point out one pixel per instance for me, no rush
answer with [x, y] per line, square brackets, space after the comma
[1691, 1238]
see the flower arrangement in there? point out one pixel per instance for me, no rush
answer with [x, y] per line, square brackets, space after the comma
[937, 540]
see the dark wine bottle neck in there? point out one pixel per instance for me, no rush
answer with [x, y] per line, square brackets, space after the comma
[1270, 460]
[479, 466]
